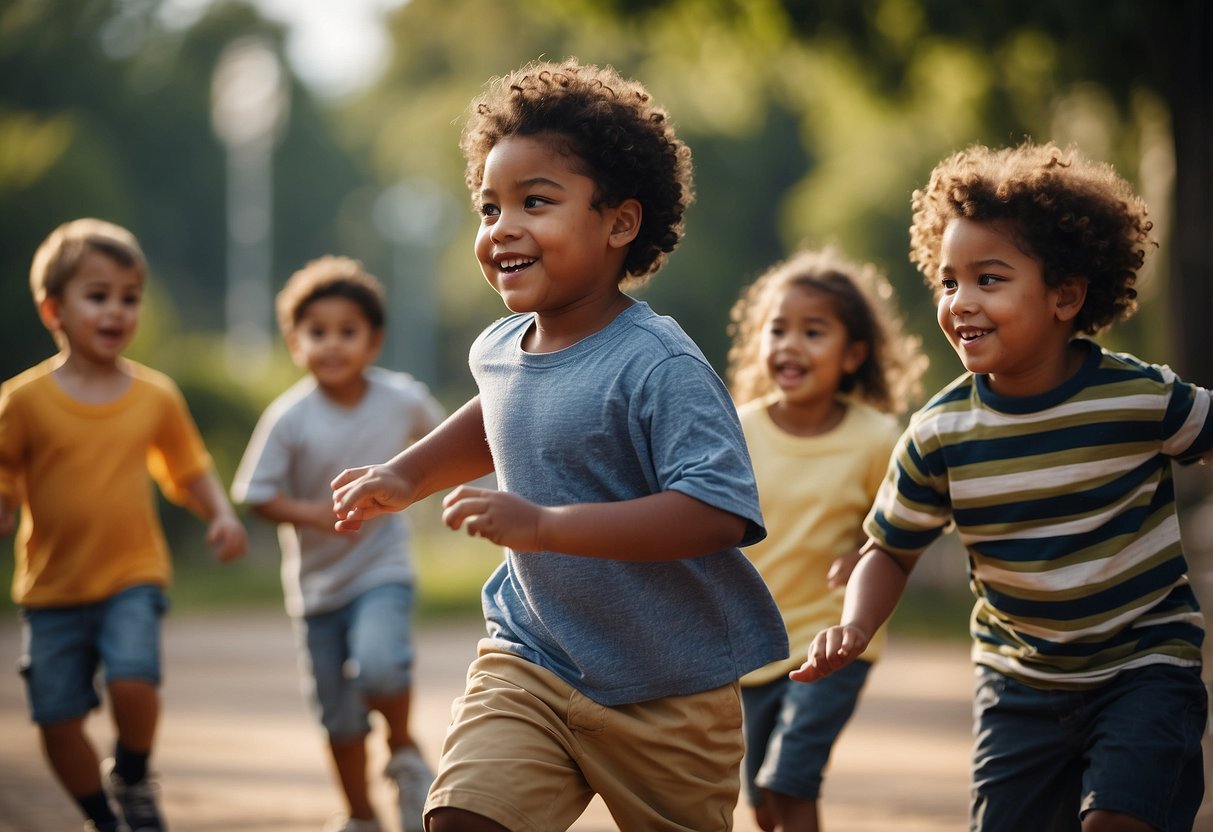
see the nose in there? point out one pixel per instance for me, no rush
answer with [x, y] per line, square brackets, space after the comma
[505, 228]
[961, 302]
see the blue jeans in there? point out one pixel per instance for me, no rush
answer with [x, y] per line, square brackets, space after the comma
[790, 729]
[63, 647]
[362, 649]
[1043, 758]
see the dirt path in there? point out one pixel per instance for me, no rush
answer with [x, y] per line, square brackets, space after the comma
[238, 751]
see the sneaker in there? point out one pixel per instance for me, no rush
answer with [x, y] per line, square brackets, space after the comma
[413, 779]
[137, 801]
[340, 823]
[116, 826]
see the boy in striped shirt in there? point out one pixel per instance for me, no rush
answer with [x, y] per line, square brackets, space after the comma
[1052, 458]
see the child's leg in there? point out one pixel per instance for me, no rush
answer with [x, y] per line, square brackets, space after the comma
[381, 646]
[805, 723]
[1145, 767]
[72, 757]
[59, 658]
[324, 653]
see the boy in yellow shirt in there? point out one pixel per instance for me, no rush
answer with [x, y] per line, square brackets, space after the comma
[80, 434]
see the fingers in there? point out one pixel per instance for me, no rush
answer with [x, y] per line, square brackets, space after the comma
[831, 650]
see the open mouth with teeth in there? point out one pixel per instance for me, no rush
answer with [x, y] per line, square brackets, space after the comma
[970, 333]
[514, 264]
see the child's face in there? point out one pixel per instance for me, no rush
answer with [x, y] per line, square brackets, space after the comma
[997, 311]
[806, 347]
[334, 341]
[542, 245]
[98, 310]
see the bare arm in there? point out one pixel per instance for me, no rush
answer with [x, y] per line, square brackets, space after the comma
[875, 588]
[224, 531]
[454, 452]
[664, 526]
[314, 514]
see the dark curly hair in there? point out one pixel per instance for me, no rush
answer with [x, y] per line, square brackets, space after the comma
[863, 300]
[610, 125]
[330, 276]
[1075, 216]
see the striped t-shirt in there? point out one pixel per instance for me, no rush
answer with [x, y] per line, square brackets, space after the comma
[1066, 507]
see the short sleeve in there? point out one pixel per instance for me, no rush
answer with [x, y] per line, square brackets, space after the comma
[912, 507]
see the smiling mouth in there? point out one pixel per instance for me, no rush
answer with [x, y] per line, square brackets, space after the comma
[510, 265]
[969, 334]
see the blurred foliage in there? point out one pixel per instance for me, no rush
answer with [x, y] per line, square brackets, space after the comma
[811, 121]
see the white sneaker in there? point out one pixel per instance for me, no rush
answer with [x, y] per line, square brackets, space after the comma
[413, 779]
[340, 823]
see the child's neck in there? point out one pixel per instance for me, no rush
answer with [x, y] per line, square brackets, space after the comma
[807, 418]
[348, 394]
[558, 330]
[92, 382]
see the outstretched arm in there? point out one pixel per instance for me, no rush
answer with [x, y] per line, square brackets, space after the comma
[664, 526]
[872, 594]
[454, 452]
[224, 531]
[312, 514]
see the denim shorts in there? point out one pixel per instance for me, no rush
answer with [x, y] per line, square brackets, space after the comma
[1043, 758]
[63, 647]
[364, 649]
[790, 728]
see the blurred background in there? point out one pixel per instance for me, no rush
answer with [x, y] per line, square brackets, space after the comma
[238, 140]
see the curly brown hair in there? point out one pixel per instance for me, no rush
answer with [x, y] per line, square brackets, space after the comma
[863, 300]
[1078, 217]
[328, 277]
[611, 127]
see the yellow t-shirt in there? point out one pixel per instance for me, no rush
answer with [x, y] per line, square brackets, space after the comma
[83, 473]
[815, 492]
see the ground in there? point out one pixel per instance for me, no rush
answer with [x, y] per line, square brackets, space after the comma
[238, 750]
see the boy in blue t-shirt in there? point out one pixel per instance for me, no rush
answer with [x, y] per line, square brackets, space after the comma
[624, 612]
[1052, 457]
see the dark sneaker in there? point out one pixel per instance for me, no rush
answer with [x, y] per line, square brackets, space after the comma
[116, 826]
[137, 801]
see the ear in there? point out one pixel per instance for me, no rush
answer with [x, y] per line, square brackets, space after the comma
[856, 354]
[627, 223]
[292, 344]
[1069, 297]
[376, 346]
[48, 311]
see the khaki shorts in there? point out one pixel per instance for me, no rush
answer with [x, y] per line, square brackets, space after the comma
[529, 751]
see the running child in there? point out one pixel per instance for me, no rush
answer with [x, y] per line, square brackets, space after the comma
[1052, 457]
[624, 613]
[819, 368]
[350, 596]
[82, 436]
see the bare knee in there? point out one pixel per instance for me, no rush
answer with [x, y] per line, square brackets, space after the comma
[1102, 821]
[447, 819]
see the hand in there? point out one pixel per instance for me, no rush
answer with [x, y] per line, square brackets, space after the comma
[362, 493]
[841, 569]
[502, 518]
[227, 537]
[831, 650]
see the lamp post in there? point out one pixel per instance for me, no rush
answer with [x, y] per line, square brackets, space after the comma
[250, 98]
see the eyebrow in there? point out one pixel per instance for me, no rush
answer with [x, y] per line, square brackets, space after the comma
[523, 184]
[980, 264]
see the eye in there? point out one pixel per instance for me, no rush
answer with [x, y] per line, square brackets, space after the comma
[948, 284]
[988, 279]
[775, 330]
[532, 202]
[96, 296]
[488, 209]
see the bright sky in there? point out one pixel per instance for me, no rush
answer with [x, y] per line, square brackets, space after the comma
[336, 46]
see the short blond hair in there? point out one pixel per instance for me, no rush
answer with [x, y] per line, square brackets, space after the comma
[59, 255]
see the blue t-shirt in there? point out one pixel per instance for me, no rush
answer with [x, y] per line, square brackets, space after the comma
[632, 410]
